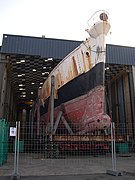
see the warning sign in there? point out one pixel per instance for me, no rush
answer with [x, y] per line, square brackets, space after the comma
[12, 131]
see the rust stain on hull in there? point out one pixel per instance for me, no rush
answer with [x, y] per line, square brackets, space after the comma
[74, 67]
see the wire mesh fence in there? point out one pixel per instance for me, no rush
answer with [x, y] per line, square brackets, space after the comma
[66, 153]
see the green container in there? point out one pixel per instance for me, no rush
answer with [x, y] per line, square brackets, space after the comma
[122, 147]
[3, 141]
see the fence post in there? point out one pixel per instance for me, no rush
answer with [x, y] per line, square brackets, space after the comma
[114, 171]
[15, 175]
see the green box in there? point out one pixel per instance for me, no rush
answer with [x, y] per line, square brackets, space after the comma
[3, 141]
[122, 147]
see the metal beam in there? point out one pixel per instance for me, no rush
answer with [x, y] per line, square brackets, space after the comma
[52, 104]
[132, 92]
[57, 122]
[3, 75]
[67, 125]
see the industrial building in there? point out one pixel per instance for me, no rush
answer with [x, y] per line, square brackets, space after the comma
[25, 63]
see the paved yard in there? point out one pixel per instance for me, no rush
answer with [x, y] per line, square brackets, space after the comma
[68, 168]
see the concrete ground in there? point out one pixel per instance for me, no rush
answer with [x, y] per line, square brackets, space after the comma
[126, 176]
[33, 166]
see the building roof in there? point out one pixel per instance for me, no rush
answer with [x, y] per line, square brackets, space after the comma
[116, 54]
[58, 48]
[37, 46]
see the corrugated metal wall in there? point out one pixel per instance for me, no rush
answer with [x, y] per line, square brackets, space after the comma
[121, 98]
[58, 48]
[37, 46]
[120, 54]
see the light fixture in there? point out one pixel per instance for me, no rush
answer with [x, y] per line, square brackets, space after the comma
[19, 75]
[22, 61]
[22, 95]
[18, 62]
[20, 85]
[107, 68]
[23, 92]
[21, 89]
[50, 59]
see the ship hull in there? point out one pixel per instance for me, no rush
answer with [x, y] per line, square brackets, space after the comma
[82, 103]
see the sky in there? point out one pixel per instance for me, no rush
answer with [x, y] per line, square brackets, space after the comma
[66, 19]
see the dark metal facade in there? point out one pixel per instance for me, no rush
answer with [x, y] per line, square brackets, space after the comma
[58, 48]
[37, 46]
[120, 55]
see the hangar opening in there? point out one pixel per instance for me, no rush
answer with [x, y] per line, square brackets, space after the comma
[26, 62]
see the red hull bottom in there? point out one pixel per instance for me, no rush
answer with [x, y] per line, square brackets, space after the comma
[84, 114]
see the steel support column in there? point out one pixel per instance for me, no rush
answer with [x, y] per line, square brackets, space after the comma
[132, 91]
[3, 82]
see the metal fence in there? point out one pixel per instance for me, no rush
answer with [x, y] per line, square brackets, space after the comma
[65, 153]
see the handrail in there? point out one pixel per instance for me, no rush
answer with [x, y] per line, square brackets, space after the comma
[96, 17]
